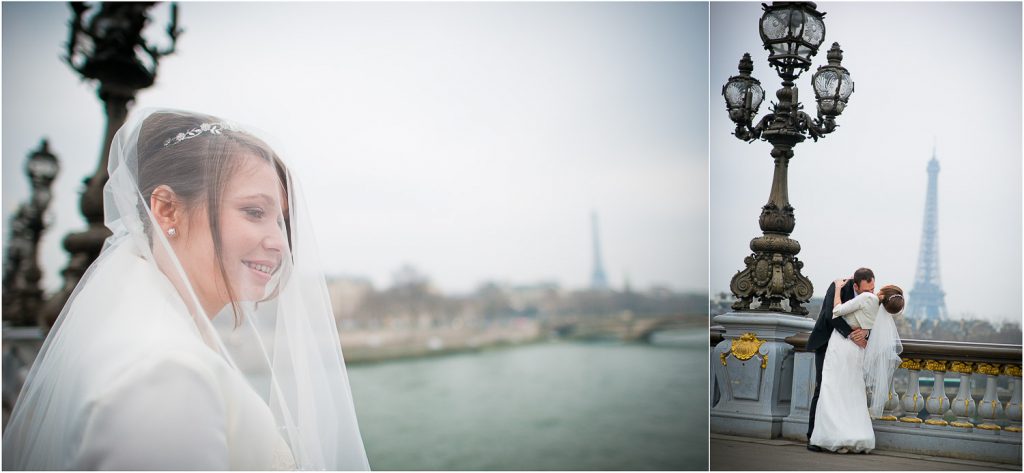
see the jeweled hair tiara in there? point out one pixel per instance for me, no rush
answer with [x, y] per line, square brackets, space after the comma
[211, 128]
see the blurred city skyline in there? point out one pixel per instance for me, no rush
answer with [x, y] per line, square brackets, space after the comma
[444, 136]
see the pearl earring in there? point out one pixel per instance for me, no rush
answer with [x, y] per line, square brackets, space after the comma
[171, 232]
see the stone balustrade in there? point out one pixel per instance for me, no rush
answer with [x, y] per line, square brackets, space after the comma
[950, 399]
[981, 421]
[20, 347]
[973, 365]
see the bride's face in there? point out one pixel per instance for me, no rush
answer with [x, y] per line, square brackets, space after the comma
[252, 231]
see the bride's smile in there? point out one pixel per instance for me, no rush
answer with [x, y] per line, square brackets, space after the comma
[252, 229]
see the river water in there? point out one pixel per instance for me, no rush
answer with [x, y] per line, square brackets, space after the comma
[547, 406]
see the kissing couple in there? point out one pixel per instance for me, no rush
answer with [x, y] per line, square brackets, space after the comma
[856, 351]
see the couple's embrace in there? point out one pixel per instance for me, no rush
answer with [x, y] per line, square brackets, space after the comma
[856, 350]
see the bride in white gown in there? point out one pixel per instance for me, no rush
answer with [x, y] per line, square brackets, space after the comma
[843, 419]
[202, 337]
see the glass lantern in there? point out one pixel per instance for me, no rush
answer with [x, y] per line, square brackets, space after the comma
[42, 165]
[792, 33]
[743, 93]
[832, 84]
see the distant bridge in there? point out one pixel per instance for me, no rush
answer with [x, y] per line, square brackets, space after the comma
[623, 327]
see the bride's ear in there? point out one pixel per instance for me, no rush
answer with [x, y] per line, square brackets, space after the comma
[166, 208]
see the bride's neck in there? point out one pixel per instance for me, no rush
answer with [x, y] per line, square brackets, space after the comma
[209, 306]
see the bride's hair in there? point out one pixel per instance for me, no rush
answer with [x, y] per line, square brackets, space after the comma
[197, 166]
[891, 298]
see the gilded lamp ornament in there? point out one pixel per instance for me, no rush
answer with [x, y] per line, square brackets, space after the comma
[791, 32]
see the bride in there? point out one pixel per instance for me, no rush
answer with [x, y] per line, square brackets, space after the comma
[843, 419]
[202, 337]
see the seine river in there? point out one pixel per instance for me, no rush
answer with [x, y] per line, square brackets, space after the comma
[548, 406]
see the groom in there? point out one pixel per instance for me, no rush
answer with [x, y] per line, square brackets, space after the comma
[863, 280]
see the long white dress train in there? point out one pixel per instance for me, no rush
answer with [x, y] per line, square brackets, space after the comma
[842, 419]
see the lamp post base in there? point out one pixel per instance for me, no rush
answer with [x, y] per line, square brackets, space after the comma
[772, 277]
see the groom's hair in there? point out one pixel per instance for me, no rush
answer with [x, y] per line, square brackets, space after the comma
[863, 274]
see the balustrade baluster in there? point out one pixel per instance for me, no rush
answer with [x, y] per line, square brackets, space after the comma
[892, 404]
[963, 405]
[937, 403]
[1012, 410]
[913, 401]
[989, 409]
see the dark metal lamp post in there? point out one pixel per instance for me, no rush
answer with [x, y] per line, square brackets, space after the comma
[22, 295]
[105, 48]
[791, 33]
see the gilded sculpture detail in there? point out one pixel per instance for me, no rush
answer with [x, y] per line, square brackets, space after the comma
[744, 348]
[989, 368]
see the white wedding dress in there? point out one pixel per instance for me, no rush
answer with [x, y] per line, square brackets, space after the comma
[842, 420]
[148, 389]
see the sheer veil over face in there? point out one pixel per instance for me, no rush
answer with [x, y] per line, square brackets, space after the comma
[253, 236]
[211, 224]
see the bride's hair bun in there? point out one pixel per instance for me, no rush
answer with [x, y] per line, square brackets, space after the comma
[891, 298]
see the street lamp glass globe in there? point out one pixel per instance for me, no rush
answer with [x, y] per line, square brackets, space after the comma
[792, 33]
[814, 31]
[845, 86]
[736, 94]
[42, 164]
[832, 88]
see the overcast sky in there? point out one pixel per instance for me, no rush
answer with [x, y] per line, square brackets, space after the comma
[469, 140]
[948, 73]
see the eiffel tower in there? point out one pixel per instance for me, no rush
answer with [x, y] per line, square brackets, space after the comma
[927, 299]
[598, 280]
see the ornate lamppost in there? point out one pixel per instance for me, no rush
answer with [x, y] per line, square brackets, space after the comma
[22, 295]
[104, 48]
[792, 33]
[764, 386]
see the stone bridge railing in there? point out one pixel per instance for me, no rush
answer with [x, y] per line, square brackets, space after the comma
[953, 399]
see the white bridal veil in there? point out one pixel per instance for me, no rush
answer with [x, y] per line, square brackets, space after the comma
[881, 358]
[283, 341]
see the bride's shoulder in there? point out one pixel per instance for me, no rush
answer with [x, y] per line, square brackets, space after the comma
[866, 297]
[130, 299]
[125, 320]
[178, 367]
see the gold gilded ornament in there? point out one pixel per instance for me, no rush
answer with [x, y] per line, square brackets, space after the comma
[1012, 370]
[745, 347]
[989, 369]
[911, 364]
[961, 367]
[935, 365]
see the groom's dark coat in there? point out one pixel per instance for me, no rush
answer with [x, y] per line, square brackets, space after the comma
[818, 341]
[823, 328]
